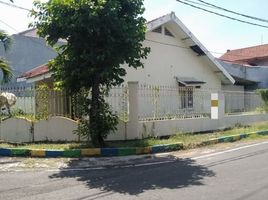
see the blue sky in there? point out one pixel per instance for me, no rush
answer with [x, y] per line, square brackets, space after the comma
[216, 33]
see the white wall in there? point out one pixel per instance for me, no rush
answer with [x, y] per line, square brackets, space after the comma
[165, 62]
[15, 130]
[55, 128]
[58, 128]
[171, 127]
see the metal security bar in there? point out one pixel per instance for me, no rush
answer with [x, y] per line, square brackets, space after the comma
[243, 102]
[42, 102]
[171, 102]
[118, 99]
[25, 99]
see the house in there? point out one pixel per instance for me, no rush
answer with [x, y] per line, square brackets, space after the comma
[175, 85]
[251, 56]
[248, 66]
[27, 51]
[250, 77]
[177, 59]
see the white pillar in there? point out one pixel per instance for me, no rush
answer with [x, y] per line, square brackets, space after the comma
[132, 126]
[217, 105]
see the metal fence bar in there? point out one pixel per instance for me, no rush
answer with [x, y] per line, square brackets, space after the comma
[170, 102]
[243, 102]
[155, 102]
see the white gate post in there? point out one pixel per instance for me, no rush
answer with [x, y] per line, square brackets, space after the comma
[217, 105]
[132, 126]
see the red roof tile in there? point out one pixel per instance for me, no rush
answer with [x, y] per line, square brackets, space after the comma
[244, 54]
[36, 71]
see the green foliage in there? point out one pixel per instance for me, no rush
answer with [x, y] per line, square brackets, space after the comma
[264, 96]
[42, 98]
[4, 67]
[17, 111]
[101, 36]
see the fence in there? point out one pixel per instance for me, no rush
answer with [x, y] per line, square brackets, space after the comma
[169, 102]
[41, 102]
[243, 102]
[154, 102]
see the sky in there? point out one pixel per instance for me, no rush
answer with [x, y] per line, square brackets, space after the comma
[216, 33]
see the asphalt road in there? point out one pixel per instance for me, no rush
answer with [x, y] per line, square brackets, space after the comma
[234, 174]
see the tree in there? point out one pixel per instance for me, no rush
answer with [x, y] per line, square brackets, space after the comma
[101, 36]
[4, 67]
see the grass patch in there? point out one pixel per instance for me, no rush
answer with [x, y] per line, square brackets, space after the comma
[190, 140]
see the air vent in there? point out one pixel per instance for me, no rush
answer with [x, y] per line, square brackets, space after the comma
[198, 50]
[168, 33]
[158, 30]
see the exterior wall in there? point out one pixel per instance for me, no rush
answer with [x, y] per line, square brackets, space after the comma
[171, 127]
[237, 88]
[165, 62]
[55, 129]
[16, 130]
[61, 129]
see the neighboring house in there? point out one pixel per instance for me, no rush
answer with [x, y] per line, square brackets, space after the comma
[248, 66]
[27, 51]
[251, 78]
[251, 56]
[177, 59]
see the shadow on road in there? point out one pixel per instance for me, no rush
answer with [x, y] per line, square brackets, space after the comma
[178, 173]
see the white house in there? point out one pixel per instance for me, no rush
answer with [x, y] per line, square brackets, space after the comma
[177, 59]
[176, 83]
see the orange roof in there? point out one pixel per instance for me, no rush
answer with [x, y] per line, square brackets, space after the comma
[244, 54]
[42, 69]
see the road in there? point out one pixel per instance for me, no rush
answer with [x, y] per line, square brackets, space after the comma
[233, 174]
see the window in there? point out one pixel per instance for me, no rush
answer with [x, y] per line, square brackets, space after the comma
[187, 100]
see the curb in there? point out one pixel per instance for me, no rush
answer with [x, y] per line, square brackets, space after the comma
[109, 152]
[91, 152]
[232, 138]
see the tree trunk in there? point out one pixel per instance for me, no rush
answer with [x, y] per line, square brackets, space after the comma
[96, 137]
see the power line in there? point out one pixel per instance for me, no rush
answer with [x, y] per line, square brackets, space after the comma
[226, 16]
[233, 12]
[8, 26]
[14, 6]
[188, 48]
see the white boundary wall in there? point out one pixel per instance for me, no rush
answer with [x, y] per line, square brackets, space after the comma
[171, 127]
[16, 130]
[55, 129]
[61, 129]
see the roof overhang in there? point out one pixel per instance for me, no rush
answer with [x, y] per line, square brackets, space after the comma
[189, 81]
[40, 77]
[218, 69]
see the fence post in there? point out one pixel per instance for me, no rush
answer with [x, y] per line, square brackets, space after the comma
[132, 126]
[217, 105]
